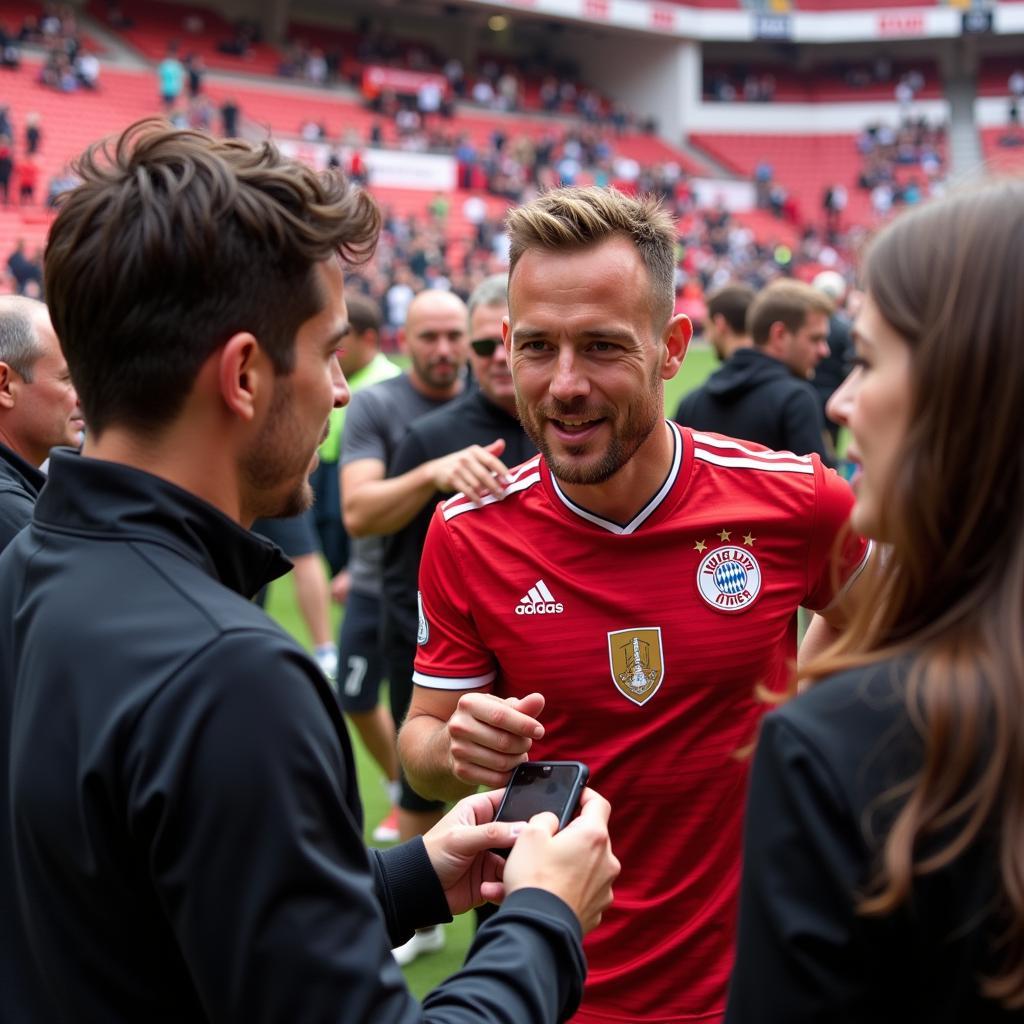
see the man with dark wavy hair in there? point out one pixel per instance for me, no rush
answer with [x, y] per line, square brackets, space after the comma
[184, 836]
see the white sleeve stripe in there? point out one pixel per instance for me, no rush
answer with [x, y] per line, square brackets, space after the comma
[526, 467]
[472, 506]
[445, 683]
[768, 467]
[850, 580]
[718, 442]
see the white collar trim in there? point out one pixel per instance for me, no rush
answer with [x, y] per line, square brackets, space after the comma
[647, 511]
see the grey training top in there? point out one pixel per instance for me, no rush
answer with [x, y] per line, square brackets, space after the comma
[375, 422]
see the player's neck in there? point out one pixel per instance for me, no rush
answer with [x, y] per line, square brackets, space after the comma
[622, 497]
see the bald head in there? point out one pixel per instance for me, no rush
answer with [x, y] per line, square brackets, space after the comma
[436, 339]
[38, 405]
[431, 303]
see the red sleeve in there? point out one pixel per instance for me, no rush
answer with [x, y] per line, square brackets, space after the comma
[837, 555]
[450, 654]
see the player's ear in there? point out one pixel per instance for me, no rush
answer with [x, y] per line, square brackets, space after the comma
[506, 335]
[243, 373]
[676, 339]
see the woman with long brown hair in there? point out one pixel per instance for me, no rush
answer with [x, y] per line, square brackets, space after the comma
[884, 849]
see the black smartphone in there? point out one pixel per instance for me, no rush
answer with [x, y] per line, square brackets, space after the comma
[538, 786]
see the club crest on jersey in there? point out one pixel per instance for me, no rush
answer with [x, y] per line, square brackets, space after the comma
[422, 629]
[637, 662]
[729, 578]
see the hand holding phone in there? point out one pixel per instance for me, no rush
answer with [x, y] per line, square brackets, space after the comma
[538, 786]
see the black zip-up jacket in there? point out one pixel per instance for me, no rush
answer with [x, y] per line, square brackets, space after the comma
[182, 839]
[754, 397]
[20, 484]
[817, 814]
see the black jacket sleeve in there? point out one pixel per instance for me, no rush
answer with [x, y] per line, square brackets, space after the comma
[799, 957]
[240, 796]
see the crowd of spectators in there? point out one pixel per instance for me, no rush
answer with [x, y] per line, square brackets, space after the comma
[69, 65]
[901, 166]
[19, 171]
[727, 86]
[534, 82]
[715, 247]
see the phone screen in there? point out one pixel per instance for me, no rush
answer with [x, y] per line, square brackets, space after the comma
[540, 787]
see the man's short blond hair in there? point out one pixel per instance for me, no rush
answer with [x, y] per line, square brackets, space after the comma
[785, 302]
[569, 219]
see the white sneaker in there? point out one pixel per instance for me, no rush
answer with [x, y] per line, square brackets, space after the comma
[427, 940]
[387, 830]
[327, 658]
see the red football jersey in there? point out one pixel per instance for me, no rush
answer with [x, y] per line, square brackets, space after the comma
[647, 640]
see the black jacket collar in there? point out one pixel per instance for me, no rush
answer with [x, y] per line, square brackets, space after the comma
[116, 502]
[19, 472]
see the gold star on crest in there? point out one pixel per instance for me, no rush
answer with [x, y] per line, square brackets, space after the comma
[700, 547]
[724, 534]
[749, 539]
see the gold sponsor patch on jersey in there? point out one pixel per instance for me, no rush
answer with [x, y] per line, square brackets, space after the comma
[637, 662]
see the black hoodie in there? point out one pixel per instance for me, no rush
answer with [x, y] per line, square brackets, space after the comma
[754, 397]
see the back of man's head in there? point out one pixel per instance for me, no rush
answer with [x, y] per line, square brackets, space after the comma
[731, 302]
[363, 314]
[173, 242]
[362, 342]
[786, 302]
[832, 284]
[727, 318]
[572, 219]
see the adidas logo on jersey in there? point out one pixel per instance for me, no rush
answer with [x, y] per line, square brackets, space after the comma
[539, 601]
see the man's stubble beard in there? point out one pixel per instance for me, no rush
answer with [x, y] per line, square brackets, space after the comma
[640, 420]
[272, 459]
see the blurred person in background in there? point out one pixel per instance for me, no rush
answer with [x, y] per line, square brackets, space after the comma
[762, 392]
[38, 408]
[833, 369]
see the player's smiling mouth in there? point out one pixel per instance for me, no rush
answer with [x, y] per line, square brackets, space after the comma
[575, 425]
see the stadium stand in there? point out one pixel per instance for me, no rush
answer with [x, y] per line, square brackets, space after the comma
[149, 26]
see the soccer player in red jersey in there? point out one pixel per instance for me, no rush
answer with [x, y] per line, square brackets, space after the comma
[623, 599]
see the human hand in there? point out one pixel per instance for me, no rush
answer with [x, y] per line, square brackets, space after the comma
[576, 864]
[459, 848]
[488, 736]
[340, 587]
[476, 471]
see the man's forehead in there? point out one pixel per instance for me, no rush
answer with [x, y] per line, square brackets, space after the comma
[485, 317]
